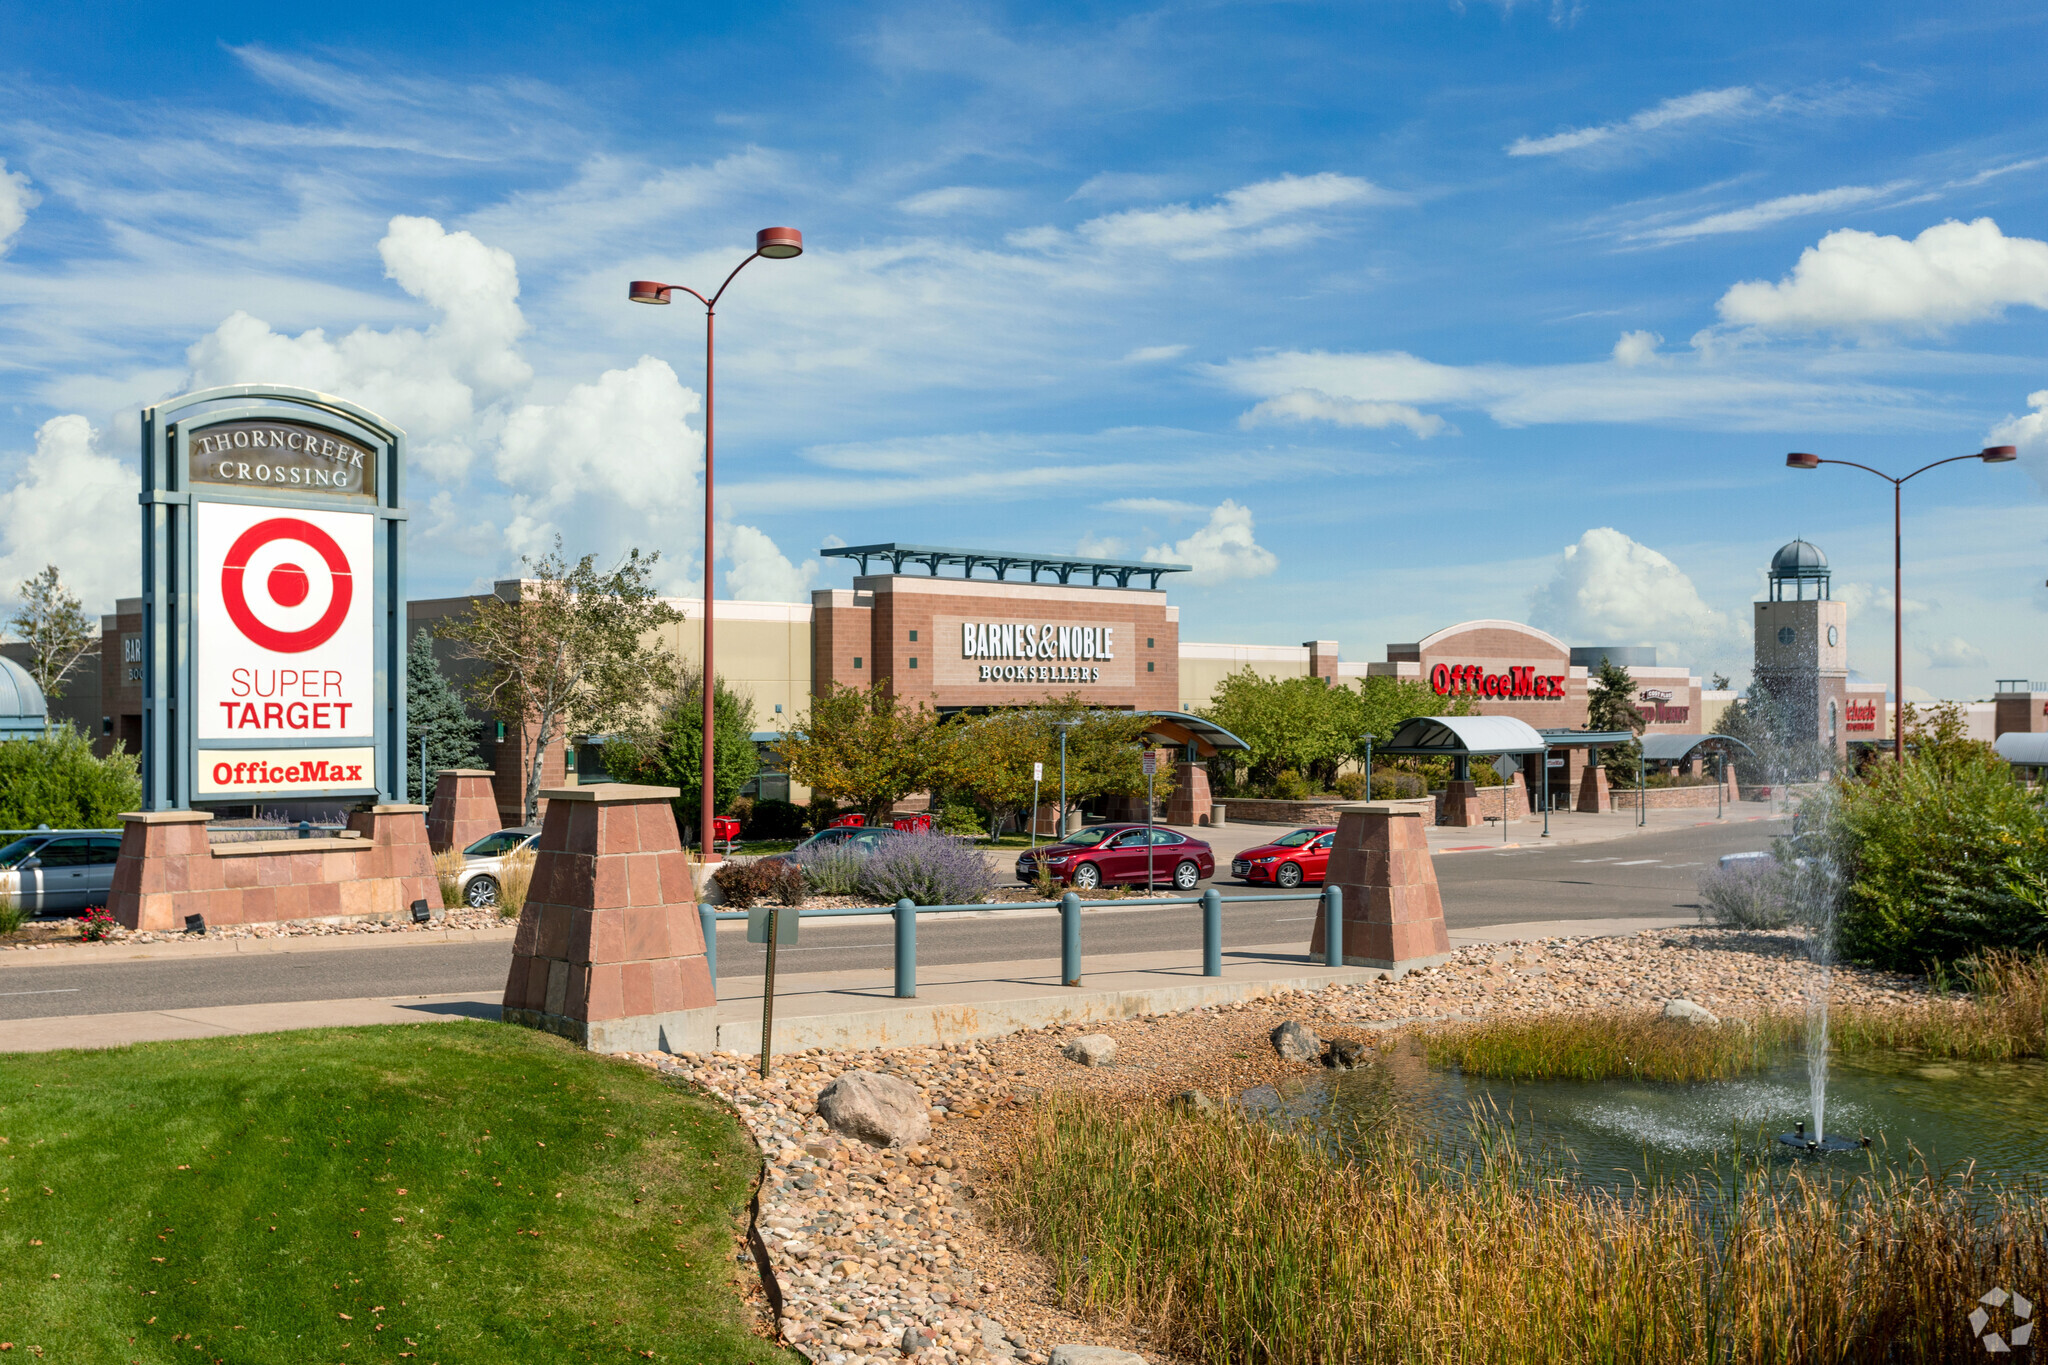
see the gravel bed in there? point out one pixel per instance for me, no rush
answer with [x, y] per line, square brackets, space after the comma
[868, 1243]
[51, 932]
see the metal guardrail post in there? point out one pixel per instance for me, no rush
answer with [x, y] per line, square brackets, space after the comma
[1333, 925]
[1070, 939]
[906, 950]
[1212, 932]
[707, 919]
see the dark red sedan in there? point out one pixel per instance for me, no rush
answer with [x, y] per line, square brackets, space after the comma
[1102, 854]
[1289, 860]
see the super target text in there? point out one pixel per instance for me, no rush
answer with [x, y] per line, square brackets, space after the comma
[302, 700]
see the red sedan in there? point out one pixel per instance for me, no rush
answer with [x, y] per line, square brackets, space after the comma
[1290, 860]
[1101, 854]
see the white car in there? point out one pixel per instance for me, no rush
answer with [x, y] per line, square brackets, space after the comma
[481, 861]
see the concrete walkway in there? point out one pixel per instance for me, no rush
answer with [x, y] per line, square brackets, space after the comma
[841, 1009]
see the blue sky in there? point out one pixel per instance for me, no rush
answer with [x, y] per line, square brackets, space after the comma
[1384, 316]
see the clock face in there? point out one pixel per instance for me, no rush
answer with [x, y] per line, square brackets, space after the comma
[1785, 634]
[1834, 637]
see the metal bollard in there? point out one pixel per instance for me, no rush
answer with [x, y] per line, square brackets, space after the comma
[1333, 926]
[1070, 939]
[906, 950]
[1212, 932]
[707, 919]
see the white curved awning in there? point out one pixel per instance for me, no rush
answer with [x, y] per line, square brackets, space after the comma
[1453, 735]
[2024, 748]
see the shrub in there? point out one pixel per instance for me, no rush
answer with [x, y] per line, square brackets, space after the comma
[1351, 786]
[927, 869]
[515, 875]
[55, 780]
[1944, 856]
[96, 926]
[448, 872]
[10, 913]
[746, 885]
[830, 869]
[773, 819]
[1751, 893]
[960, 820]
[742, 810]
[1289, 786]
[785, 883]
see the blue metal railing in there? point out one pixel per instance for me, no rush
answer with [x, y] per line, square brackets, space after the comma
[1212, 902]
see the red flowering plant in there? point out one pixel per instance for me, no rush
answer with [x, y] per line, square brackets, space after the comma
[97, 925]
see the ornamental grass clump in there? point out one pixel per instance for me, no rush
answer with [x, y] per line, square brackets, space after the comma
[2003, 1016]
[448, 865]
[927, 869]
[1572, 1047]
[515, 875]
[1749, 893]
[1231, 1241]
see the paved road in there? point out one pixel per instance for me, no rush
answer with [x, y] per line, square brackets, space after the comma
[1652, 874]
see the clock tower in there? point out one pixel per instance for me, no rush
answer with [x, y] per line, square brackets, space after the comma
[1802, 650]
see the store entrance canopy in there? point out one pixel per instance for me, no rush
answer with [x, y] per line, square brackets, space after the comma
[1201, 738]
[1463, 736]
[1678, 748]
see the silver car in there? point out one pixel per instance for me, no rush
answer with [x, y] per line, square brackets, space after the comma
[61, 872]
[482, 861]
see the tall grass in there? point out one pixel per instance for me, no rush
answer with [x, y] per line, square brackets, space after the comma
[2003, 1016]
[10, 913]
[515, 874]
[1234, 1243]
[448, 865]
[1604, 1047]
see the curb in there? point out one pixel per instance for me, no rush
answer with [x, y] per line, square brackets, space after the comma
[78, 954]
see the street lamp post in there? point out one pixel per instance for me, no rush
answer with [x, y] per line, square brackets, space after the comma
[777, 244]
[1989, 455]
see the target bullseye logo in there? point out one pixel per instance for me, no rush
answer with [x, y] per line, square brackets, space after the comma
[286, 561]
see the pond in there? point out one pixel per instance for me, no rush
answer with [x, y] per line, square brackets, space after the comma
[1951, 1116]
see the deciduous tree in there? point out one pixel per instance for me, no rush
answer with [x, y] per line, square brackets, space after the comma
[669, 752]
[572, 648]
[54, 626]
[862, 745]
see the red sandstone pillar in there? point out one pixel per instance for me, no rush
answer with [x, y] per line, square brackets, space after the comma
[1461, 806]
[1190, 804]
[1393, 913]
[609, 951]
[465, 808]
[156, 867]
[1593, 797]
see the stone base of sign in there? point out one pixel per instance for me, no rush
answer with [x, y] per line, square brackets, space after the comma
[1190, 804]
[1593, 798]
[609, 952]
[465, 808]
[168, 870]
[1393, 912]
[1468, 805]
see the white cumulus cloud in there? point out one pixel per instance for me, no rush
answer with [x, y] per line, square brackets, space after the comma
[1722, 103]
[1309, 405]
[2029, 432]
[1636, 348]
[760, 572]
[16, 199]
[1223, 549]
[1612, 590]
[74, 507]
[1855, 281]
[624, 440]
[1269, 214]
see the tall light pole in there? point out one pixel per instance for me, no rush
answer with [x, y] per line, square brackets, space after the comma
[777, 244]
[1989, 455]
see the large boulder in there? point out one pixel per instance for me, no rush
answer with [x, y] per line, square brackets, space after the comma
[1296, 1042]
[1094, 1355]
[881, 1111]
[1687, 1012]
[1091, 1049]
[1194, 1102]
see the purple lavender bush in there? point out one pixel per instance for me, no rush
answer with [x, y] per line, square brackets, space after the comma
[830, 869]
[927, 869]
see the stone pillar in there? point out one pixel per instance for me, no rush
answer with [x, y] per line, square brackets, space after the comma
[465, 808]
[1593, 787]
[1190, 804]
[158, 849]
[609, 951]
[1732, 792]
[1461, 805]
[1393, 913]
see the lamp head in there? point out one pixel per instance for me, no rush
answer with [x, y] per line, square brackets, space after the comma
[1999, 454]
[648, 291]
[1801, 460]
[779, 243]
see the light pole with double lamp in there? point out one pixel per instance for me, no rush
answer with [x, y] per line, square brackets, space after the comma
[777, 244]
[1989, 455]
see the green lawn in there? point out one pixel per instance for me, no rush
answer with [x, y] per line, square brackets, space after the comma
[447, 1192]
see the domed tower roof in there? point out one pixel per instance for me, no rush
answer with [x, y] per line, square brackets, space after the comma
[22, 708]
[1798, 563]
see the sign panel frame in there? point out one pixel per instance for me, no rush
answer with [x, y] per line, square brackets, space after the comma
[170, 499]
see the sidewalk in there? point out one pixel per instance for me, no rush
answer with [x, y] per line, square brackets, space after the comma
[844, 1009]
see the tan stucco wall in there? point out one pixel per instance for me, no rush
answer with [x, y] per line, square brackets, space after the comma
[1204, 666]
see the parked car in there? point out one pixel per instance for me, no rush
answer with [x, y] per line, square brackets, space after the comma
[1102, 854]
[481, 861]
[60, 872]
[863, 838]
[1289, 860]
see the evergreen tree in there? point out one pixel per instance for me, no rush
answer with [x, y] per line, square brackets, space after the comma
[434, 712]
[669, 752]
[1611, 705]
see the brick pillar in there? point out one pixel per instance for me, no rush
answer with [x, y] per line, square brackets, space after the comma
[1593, 787]
[1733, 792]
[155, 868]
[1322, 659]
[465, 808]
[609, 951]
[1190, 804]
[1461, 805]
[1393, 913]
